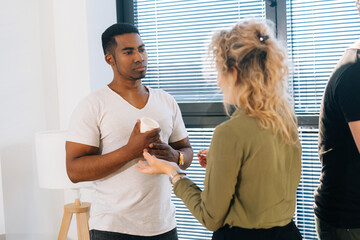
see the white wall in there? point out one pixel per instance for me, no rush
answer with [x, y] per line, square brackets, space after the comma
[34, 96]
[71, 55]
[100, 15]
[2, 215]
[26, 107]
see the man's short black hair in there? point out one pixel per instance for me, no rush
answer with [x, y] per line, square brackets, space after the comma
[107, 38]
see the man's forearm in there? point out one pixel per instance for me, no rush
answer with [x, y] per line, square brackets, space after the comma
[94, 167]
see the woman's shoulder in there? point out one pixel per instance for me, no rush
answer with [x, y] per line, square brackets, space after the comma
[238, 125]
[240, 121]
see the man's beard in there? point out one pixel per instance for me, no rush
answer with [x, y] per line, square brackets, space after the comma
[132, 77]
[142, 75]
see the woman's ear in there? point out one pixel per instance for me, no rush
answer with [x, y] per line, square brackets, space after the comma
[109, 59]
[234, 73]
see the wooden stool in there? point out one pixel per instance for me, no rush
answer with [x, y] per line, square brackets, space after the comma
[82, 211]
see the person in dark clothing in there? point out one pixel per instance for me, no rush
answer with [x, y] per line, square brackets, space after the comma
[337, 199]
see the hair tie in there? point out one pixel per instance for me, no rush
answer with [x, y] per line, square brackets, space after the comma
[263, 38]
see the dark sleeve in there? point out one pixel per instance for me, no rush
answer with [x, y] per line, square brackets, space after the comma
[348, 93]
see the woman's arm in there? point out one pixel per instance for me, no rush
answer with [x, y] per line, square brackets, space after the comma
[210, 206]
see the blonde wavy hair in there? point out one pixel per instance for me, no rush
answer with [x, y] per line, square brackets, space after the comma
[262, 70]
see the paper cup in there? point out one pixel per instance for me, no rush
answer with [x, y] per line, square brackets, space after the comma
[148, 124]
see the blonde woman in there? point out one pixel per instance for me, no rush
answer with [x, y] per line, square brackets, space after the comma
[254, 161]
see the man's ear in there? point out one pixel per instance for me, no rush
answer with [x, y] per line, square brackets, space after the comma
[109, 59]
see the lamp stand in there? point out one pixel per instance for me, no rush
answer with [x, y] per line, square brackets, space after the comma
[82, 211]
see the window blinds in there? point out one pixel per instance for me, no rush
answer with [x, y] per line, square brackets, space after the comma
[176, 34]
[318, 32]
[187, 225]
[310, 173]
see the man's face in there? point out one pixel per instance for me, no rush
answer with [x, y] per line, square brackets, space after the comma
[130, 56]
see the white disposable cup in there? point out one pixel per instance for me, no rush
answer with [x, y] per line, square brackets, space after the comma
[148, 124]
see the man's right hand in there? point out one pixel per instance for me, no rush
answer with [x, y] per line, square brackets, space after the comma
[139, 141]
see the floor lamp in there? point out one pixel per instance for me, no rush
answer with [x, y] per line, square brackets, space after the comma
[50, 156]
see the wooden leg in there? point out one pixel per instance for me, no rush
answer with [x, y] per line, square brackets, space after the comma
[65, 224]
[82, 212]
[82, 226]
[88, 216]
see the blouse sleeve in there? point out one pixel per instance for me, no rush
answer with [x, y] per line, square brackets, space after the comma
[211, 206]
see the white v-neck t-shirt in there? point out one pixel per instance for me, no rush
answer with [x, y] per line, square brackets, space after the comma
[127, 201]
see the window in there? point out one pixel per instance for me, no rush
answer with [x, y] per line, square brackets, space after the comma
[318, 32]
[176, 34]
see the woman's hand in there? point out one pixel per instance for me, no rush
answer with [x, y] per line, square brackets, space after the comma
[202, 157]
[155, 165]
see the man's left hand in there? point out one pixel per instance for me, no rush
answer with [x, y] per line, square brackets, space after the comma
[164, 151]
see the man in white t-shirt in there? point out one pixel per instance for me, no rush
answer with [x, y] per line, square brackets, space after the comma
[104, 144]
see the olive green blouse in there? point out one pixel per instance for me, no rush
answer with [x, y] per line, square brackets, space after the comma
[251, 178]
